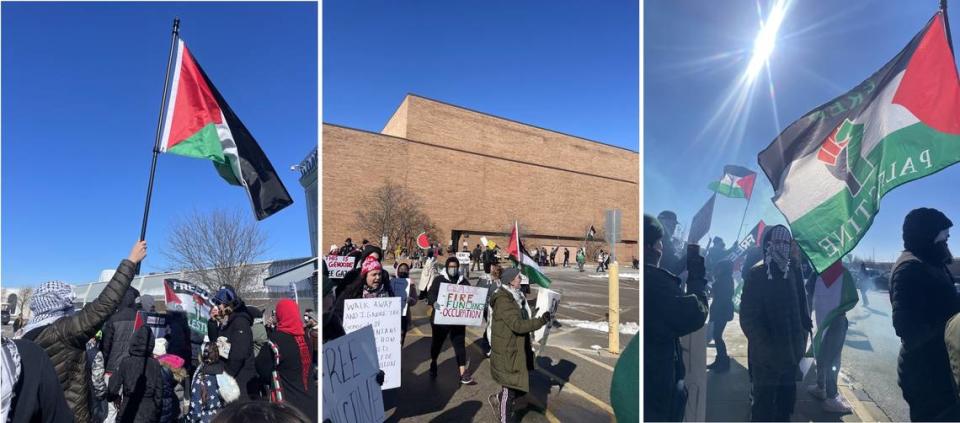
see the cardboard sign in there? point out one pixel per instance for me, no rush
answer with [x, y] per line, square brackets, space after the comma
[460, 305]
[383, 315]
[350, 390]
[547, 300]
[339, 265]
[464, 258]
[190, 299]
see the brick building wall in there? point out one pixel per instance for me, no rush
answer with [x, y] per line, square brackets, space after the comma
[477, 173]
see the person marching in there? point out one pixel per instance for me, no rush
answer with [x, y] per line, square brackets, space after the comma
[511, 358]
[457, 333]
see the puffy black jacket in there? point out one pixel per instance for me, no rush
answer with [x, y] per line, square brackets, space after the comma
[774, 318]
[169, 405]
[37, 393]
[291, 373]
[668, 314]
[139, 380]
[118, 331]
[240, 361]
[923, 298]
[65, 340]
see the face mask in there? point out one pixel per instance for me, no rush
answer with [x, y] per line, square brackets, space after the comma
[452, 273]
[403, 275]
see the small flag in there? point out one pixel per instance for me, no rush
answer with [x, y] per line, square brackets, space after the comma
[530, 269]
[199, 123]
[737, 182]
[591, 233]
[836, 294]
[830, 168]
[701, 221]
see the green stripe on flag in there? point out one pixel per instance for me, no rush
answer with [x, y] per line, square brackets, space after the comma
[848, 299]
[204, 144]
[726, 190]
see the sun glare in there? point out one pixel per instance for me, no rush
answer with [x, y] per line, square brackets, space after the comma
[766, 39]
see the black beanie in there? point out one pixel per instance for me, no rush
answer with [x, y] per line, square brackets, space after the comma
[652, 230]
[921, 227]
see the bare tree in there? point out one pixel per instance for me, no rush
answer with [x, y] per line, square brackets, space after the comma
[216, 248]
[23, 300]
[394, 211]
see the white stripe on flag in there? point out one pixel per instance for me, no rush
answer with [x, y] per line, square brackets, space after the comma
[171, 100]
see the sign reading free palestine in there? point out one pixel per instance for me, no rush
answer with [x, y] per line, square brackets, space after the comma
[460, 305]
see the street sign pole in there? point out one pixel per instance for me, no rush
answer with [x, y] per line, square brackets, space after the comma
[613, 272]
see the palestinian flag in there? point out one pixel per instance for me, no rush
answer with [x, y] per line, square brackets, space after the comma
[528, 266]
[737, 182]
[830, 169]
[835, 293]
[199, 123]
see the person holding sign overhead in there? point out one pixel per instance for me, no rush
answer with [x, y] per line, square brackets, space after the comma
[511, 357]
[457, 333]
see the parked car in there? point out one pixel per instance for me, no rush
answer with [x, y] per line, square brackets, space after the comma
[5, 320]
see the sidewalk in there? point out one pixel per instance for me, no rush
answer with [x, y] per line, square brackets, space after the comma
[728, 394]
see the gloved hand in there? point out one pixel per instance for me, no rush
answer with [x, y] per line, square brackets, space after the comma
[546, 317]
[380, 376]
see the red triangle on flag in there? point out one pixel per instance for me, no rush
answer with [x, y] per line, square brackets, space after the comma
[832, 274]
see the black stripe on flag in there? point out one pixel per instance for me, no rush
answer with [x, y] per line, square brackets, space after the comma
[701, 221]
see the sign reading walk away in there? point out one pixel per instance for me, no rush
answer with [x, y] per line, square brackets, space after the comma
[350, 390]
[830, 169]
[460, 305]
[383, 316]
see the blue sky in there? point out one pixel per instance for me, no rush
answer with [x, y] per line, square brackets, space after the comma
[695, 51]
[570, 66]
[81, 93]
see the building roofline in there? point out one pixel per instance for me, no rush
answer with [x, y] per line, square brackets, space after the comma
[410, 94]
[483, 154]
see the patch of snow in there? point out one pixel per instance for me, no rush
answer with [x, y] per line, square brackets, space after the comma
[631, 276]
[628, 328]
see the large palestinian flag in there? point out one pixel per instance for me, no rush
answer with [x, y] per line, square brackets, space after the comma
[737, 182]
[528, 266]
[834, 294]
[830, 168]
[199, 123]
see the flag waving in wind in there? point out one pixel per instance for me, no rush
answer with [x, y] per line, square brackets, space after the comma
[199, 123]
[737, 182]
[830, 169]
[834, 294]
[529, 267]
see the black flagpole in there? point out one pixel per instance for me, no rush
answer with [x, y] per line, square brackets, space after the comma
[946, 23]
[156, 143]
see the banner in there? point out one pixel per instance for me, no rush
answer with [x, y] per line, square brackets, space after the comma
[460, 305]
[339, 265]
[546, 300]
[383, 316]
[350, 390]
[190, 299]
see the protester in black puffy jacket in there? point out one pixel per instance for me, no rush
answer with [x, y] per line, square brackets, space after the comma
[138, 383]
[63, 333]
[457, 333]
[668, 314]
[118, 331]
[235, 323]
[31, 391]
[924, 298]
[774, 318]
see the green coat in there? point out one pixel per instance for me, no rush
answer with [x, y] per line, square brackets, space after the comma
[510, 344]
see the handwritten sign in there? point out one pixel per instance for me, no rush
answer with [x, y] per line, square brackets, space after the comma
[383, 315]
[464, 258]
[350, 390]
[339, 265]
[547, 300]
[460, 305]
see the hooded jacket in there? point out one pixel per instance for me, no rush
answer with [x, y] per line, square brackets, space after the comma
[139, 381]
[511, 358]
[294, 369]
[239, 364]
[65, 340]
[118, 331]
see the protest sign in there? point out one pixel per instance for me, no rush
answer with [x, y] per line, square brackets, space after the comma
[464, 258]
[350, 390]
[383, 314]
[339, 265]
[191, 299]
[460, 305]
[547, 300]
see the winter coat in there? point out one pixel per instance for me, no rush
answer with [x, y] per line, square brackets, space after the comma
[668, 314]
[65, 340]
[511, 358]
[721, 309]
[332, 327]
[239, 363]
[290, 371]
[118, 331]
[169, 405]
[212, 388]
[98, 384]
[355, 291]
[923, 298]
[37, 393]
[408, 295]
[774, 318]
[434, 290]
[952, 338]
[139, 381]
